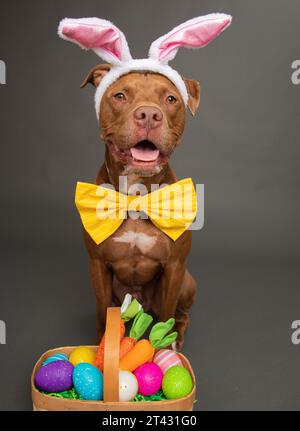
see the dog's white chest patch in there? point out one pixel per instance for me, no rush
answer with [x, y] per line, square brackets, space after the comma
[140, 240]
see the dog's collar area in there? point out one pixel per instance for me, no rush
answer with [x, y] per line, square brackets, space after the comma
[171, 208]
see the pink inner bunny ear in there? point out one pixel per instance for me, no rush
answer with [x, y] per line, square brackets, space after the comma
[195, 33]
[105, 39]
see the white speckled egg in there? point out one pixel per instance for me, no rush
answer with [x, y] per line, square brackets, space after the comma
[128, 385]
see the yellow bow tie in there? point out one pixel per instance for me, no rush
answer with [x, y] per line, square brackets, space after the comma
[171, 208]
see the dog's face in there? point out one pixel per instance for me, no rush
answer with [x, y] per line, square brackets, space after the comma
[142, 118]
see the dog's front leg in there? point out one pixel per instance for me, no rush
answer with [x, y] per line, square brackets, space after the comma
[170, 284]
[102, 284]
[177, 295]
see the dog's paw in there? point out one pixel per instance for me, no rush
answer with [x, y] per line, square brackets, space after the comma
[174, 346]
[177, 345]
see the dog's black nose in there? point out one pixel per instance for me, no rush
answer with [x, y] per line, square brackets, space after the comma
[148, 117]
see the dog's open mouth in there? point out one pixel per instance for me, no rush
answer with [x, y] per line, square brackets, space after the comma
[144, 156]
[145, 152]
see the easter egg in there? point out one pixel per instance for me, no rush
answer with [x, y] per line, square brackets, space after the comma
[128, 386]
[166, 359]
[149, 377]
[55, 376]
[56, 357]
[88, 381]
[82, 354]
[177, 382]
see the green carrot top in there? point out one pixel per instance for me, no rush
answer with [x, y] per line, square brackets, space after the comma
[158, 336]
[140, 324]
[130, 308]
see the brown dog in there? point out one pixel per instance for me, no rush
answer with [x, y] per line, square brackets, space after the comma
[142, 113]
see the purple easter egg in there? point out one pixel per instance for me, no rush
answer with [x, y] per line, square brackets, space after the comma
[149, 377]
[55, 376]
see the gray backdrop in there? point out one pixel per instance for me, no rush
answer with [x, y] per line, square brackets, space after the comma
[243, 146]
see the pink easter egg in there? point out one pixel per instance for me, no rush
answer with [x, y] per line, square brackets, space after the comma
[149, 377]
[166, 359]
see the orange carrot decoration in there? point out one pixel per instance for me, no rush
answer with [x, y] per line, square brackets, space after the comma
[127, 344]
[144, 350]
[99, 361]
[139, 326]
[130, 308]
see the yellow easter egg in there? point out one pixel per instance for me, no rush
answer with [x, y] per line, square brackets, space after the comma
[82, 354]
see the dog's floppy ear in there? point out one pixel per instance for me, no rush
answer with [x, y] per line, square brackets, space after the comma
[96, 74]
[193, 89]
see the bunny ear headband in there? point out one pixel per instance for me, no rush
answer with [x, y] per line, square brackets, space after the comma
[109, 43]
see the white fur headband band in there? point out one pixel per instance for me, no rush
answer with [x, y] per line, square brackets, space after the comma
[109, 43]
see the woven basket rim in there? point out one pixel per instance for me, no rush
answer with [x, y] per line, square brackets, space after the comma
[41, 396]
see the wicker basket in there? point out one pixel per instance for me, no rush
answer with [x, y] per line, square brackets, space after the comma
[42, 402]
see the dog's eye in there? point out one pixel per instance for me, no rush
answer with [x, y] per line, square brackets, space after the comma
[120, 96]
[171, 99]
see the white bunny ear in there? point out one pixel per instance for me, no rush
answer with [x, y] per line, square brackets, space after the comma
[195, 33]
[104, 38]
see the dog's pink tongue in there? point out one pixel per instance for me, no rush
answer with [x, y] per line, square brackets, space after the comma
[144, 154]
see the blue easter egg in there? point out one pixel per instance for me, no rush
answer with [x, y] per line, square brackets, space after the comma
[88, 381]
[55, 357]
